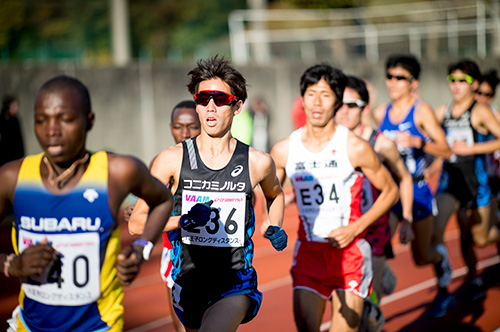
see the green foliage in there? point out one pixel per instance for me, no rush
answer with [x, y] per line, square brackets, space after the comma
[52, 29]
[181, 27]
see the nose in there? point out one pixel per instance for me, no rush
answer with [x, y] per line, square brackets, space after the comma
[185, 133]
[211, 104]
[53, 128]
[317, 99]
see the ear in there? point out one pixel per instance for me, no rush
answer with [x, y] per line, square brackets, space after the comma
[414, 84]
[475, 85]
[90, 120]
[366, 110]
[238, 107]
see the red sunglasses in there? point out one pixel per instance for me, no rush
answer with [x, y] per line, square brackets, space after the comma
[220, 98]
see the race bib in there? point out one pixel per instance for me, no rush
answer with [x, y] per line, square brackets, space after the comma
[459, 134]
[74, 277]
[228, 230]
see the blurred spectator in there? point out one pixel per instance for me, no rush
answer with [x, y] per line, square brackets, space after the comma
[11, 138]
[298, 114]
[260, 115]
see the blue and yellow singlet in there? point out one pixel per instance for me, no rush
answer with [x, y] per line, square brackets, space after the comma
[80, 291]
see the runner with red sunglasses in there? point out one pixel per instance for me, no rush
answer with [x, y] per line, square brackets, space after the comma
[212, 177]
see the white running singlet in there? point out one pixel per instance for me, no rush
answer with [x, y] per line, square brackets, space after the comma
[327, 187]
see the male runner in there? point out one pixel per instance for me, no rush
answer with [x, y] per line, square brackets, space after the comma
[464, 181]
[324, 161]
[212, 176]
[66, 234]
[412, 125]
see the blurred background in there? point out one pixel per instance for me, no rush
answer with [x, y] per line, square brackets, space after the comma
[134, 55]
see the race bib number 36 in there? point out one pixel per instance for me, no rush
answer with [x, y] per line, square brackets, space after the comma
[228, 230]
[73, 279]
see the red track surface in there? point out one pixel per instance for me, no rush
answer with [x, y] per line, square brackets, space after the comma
[405, 310]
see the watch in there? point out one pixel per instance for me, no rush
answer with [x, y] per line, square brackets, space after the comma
[147, 247]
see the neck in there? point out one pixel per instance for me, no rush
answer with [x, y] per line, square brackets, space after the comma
[213, 146]
[58, 176]
[318, 136]
[465, 102]
[403, 101]
[358, 130]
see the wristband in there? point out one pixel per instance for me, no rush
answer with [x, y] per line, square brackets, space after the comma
[147, 245]
[6, 264]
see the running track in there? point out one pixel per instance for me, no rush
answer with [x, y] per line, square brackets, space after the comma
[146, 309]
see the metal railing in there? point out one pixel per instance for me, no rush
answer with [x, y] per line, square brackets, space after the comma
[433, 29]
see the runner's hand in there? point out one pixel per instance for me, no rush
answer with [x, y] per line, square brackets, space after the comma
[34, 260]
[406, 234]
[128, 265]
[199, 215]
[277, 236]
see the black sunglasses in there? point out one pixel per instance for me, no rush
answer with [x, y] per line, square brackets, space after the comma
[399, 77]
[220, 98]
[486, 94]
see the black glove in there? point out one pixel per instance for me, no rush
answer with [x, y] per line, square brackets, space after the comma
[199, 215]
[277, 236]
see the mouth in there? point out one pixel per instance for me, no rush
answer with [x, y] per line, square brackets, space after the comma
[54, 149]
[317, 115]
[211, 121]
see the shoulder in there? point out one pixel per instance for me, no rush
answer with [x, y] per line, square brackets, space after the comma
[482, 108]
[423, 109]
[124, 165]
[259, 158]
[379, 111]
[356, 144]
[359, 150]
[279, 151]
[440, 111]
[170, 155]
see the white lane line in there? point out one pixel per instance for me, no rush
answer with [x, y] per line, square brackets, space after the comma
[432, 282]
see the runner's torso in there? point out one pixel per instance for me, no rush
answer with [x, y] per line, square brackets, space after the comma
[223, 244]
[327, 188]
[80, 292]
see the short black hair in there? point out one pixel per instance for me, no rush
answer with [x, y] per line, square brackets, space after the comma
[218, 67]
[492, 79]
[406, 61]
[359, 86]
[466, 66]
[182, 104]
[63, 82]
[333, 76]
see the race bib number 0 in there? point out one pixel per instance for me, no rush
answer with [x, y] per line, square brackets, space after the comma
[73, 279]
[228, 230]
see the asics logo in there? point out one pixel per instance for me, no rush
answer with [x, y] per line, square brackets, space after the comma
[237, 171]
[90, 195]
